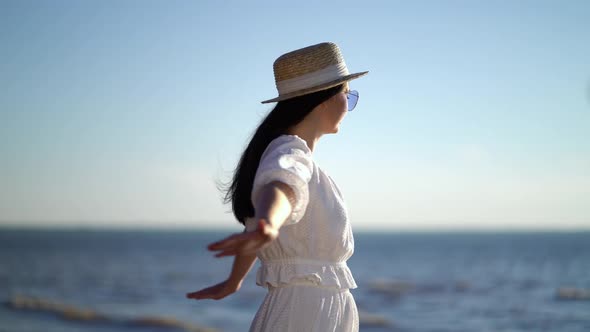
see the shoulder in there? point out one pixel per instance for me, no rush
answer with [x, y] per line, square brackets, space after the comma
[288, 144]
[288, 152]
[290, 141]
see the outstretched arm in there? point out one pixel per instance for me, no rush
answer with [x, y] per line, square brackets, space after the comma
[241, 266]
[272, 208]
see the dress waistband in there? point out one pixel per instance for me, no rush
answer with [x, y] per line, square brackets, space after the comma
[281, 271]
[305, 261]
[308, 283]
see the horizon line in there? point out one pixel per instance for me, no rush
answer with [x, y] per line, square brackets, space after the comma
[234, 226]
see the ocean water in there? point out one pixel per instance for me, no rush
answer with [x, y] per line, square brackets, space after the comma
[136, 280]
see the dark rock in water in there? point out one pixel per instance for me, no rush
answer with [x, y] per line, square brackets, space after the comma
[396, 288]
[462, 286]
[165, 322]
[393, 288]
[71, 313]
[64, 311]
[572, 294]
[367, 320]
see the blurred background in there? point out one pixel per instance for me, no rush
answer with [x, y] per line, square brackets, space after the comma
[465, 166]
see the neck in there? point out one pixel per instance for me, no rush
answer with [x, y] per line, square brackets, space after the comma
[308, 131]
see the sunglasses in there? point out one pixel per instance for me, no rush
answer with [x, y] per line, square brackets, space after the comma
[353, 98]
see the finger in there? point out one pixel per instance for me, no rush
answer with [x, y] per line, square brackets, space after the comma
[230, 252]
[231, 246]
[236, 242]
[246, 248]
[224, 243]
[194, 296]
[220, 245]
[202, 294]
[215, 245]
[208, 293]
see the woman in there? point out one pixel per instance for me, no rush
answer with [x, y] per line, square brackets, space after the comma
[294, 214]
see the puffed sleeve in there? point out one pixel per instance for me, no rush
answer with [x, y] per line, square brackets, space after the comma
[286, 159]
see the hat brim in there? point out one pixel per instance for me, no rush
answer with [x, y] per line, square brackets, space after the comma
[316, 88]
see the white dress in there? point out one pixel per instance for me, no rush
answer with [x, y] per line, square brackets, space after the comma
[305, 268]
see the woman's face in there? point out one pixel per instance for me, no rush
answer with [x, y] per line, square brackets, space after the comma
[334, 110]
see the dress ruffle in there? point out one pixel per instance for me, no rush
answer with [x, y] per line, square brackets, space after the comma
[282, 272]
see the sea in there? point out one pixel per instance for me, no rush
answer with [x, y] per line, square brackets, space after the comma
[89, 280]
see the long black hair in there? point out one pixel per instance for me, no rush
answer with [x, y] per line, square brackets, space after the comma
[284, 115]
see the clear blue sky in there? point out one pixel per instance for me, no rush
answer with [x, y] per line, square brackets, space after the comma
[475, 115]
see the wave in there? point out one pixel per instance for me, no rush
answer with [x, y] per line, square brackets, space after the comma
[86, 316]
[396, 288]
[81, 315]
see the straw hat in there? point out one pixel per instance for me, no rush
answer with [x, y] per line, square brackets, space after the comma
[310, 69]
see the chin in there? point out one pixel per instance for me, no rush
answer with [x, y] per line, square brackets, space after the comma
[332, 130]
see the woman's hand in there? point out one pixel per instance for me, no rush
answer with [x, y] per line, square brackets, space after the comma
[216, 292]
[247, 242]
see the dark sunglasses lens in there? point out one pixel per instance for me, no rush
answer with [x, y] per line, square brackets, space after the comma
[353, 97]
